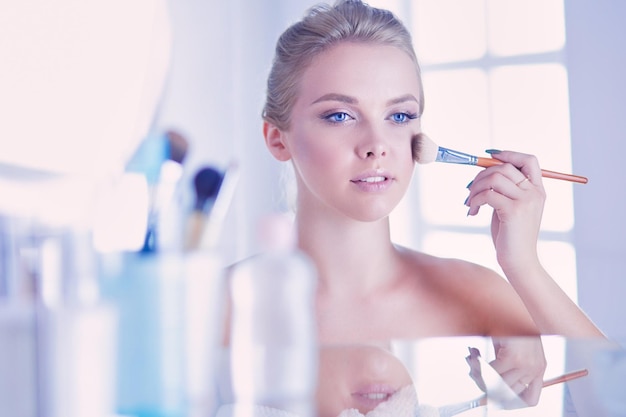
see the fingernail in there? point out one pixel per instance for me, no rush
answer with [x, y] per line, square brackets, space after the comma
[473, 211]
[468, 212]
[473, 351]
[492, 151]
[470, 184]
[466, 200]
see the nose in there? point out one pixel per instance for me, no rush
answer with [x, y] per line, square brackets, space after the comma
[372, 146]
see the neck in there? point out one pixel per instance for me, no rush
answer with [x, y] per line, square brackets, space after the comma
[349, 255]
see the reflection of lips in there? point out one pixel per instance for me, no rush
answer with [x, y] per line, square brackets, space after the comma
[372, 396]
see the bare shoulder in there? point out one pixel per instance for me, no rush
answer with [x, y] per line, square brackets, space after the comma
[448, 270]
[474, 288]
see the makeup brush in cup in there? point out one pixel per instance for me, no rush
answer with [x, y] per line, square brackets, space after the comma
[162, 192]
[426, 151]
[178, 146]
[207, 183]
[224, 198]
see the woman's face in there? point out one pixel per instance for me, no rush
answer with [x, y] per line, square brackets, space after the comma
[350, 130]
[359, 377]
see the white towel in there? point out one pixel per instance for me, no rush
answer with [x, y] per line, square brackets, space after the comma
[402, 404]
[243, 410]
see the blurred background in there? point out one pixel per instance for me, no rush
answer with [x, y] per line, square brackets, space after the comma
[83, 83]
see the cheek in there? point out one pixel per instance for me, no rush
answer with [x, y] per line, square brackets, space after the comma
[332, 394]
[406, 159]
[312, 155]
[309, 148]
[402, 150]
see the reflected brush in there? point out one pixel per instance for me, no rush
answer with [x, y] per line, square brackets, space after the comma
[454, 409]
[566, 377]
[426, 151]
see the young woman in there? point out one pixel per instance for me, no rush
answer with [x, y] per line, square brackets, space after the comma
[344, 99]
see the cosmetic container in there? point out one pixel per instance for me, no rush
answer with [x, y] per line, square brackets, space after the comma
[274, 349]
[75, 329]
[18, 394]
[56, 334]
[170, 306]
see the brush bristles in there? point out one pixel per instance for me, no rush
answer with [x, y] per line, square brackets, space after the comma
[424, 149]
[207, 183]
[178, 146]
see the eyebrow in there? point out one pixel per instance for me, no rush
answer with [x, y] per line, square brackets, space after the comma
[351, 100]
[403, 99]
[336, 97]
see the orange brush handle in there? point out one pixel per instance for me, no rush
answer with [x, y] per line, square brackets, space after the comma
[566, 377]
[489, 162]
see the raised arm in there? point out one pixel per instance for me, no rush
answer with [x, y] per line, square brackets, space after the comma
[516, 193]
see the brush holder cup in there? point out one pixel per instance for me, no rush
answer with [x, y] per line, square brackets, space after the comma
[170, 318]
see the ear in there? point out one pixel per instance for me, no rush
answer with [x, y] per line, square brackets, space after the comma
[274, 140]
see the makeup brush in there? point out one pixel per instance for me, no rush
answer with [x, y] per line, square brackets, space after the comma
[147, 161]
[565, 377]
[162, 192]
[220, 208]
[454, 409]
[426, 151]
[178, 146]
[207, 183]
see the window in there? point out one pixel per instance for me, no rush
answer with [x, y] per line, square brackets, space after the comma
[494, 77]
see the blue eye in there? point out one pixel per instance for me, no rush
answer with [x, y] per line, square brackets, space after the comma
[338, 117]
[402, 117]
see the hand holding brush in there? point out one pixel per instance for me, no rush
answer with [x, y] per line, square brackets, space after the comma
[426, 151]
[458, 408]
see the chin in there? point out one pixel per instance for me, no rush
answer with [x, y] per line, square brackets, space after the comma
[371, 216]
[378, 211]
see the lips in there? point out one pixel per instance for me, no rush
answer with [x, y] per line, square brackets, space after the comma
[370, 397]
[373, 180]
[374, 396]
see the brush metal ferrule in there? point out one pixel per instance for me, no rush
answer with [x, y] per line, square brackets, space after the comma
[455, 157]
[458, 408]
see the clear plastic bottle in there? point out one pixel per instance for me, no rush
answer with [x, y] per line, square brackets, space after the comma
[274, 349]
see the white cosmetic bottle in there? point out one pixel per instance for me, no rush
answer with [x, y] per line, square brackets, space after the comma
[274, 349]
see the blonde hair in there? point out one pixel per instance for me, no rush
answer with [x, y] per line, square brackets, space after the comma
[321, 28]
